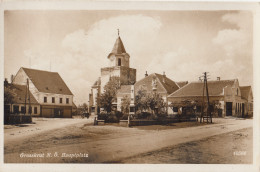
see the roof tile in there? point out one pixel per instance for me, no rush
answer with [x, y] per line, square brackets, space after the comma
[47, 82]
[196, 88]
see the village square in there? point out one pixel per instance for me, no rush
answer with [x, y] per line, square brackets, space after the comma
[152, 119]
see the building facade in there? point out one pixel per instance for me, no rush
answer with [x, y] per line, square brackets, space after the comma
[226, 94]
[49, 90]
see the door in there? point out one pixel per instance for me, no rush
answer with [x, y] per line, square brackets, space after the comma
[228, 108]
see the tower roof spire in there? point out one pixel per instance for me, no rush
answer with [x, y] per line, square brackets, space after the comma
[118, 46]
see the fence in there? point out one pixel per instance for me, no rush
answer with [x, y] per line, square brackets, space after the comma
[144, 122]
[18, 119]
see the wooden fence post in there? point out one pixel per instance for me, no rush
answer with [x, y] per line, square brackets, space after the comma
[95, 121]
[128, 121]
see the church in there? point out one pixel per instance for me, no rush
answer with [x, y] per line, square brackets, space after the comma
[119, 61]
[119, 66]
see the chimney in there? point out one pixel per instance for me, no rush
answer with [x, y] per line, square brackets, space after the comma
[145, 74]
[218, 78]
[12, 78]
[164, 76]
[5, 82]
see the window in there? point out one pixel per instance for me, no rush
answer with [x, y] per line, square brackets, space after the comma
[67, 100]
[35, 110]
[16, 109]
[237, 91]
[119, 62]
[53, 100]
[60, 100]
[45, 99]
[23, 109]
[175, 109]
[132, 109]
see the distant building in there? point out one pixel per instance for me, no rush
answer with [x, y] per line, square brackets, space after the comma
[233, 99]
[49, 90]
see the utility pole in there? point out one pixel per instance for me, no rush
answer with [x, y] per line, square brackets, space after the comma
[29, 100]
[27, 93]
[205, 86]
[25, 98]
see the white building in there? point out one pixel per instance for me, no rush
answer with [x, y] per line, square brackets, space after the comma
[49, 90]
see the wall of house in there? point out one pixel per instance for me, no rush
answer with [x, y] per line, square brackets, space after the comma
[250, 104]
[56, 97]
[50, 111]
[34, 113]
[233, 94]
[179, 100]
[21, 79]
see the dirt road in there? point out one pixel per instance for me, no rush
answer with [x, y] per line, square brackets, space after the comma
[106, 143]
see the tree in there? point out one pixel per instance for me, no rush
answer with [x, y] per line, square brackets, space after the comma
[141, 102]
[107, 98]
[149, 102]
[125, 105]
[9, 95]
[156, 102]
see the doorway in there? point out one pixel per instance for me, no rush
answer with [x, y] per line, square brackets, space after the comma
[58, 113]
[228, 108]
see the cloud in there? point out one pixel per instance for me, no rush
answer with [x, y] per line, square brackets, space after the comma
[236, 45]
[236, 41]
[86, 51]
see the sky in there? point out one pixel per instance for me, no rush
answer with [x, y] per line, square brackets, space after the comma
[183, 44]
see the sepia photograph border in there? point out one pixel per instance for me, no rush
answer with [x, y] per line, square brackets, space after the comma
[138, 5]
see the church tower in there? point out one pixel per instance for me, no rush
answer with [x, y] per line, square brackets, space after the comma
[119, 66]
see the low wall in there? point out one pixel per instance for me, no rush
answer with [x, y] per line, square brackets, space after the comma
[159, 122]
[144, 122]
[19, 119]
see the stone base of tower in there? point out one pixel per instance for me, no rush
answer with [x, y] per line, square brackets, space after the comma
[126, 75]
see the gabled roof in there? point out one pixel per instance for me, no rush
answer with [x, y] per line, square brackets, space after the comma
[215, 88]
[169, 85]
[118, 47]
[47, 82]
[20, 91]
[245, 91]
[182, 83]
